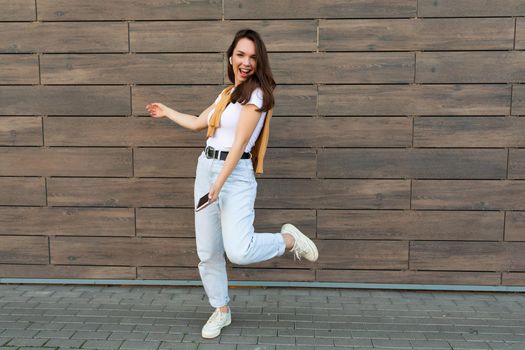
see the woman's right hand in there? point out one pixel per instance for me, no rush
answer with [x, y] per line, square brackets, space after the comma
[157, 110]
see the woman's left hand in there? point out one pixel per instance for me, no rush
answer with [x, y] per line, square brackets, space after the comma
[214, 192]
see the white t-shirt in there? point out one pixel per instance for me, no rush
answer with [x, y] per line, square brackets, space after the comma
[224, 135]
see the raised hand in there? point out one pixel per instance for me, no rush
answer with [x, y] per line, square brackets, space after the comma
[157, 110]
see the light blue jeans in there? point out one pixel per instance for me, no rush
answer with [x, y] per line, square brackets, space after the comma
[226, 226]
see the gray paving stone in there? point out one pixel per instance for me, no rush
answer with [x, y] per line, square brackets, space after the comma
[102, 344]
[179, 346]
[458, 345]
[431, 344]
[127, 336]
[217, 347]
[26, 342]
[140, 345]
[65, 343]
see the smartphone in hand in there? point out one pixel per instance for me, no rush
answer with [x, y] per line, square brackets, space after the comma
[203, 202]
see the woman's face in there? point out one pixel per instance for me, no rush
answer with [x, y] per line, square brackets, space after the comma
[243, 60]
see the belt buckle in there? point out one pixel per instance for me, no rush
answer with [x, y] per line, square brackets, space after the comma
[209, 152]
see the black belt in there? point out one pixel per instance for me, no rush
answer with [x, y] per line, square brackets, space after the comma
[211, 152]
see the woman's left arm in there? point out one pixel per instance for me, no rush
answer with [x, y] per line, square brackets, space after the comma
[247, 122]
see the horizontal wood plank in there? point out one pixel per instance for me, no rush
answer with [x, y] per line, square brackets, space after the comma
[215, 36]
[249, 9]
[342, 68]
[282, 274]
[132, 69]
[31, 161]
[119, 131]
[100, 10]
[463, 256]
[333, 194]
[412, 163]
[354, 254]
[410, 277]
[518, 100]
[20, 250]
[22, 191]
[515, 226]
[67, 272]
[469, 132]
[468, 8]
[67, 221]
[415, 34]
[513, 279]
[111, 192]
[21, 131]
[516, 163]
[64, 100]
[414, 99]
[341, 132]
[468, 195]
[168, 273]
[79, 37]
[470, 67]
[123, 251]
[20, 10]
[410, 225]
[19, 69]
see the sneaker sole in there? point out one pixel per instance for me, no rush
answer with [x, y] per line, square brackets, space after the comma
[215, 335]
[287, 228]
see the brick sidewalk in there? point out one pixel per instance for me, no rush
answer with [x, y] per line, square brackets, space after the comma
[113, 317]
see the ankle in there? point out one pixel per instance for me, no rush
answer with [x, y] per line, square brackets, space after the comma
[224, 309]
[288, 240]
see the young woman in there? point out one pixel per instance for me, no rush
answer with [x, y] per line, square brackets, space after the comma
[238, 127]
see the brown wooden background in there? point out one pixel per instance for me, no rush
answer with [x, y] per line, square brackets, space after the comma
[398, 141]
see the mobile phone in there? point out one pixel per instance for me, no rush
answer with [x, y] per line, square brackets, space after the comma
[203, 202]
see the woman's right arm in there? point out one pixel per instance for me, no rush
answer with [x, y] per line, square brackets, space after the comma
[191, 122]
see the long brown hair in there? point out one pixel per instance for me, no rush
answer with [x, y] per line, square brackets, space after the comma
[262, 76]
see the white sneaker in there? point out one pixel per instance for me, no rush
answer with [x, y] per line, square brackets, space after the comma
[215, 323]
[303, 246]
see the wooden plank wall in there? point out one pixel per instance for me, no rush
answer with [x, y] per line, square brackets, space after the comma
[397, 144]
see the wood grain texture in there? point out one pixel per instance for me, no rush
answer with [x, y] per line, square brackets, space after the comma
[19, 69]
[413, 163]
[341, 68]
[20, 10]
[166, 162]
[518, 100]
[215, 36]
[100, 10]
[520, 33]
[64, 100]
[60, 271]
[168, 273]
[22, 191]
[467, 8]
[20, 250]
[281, 274]
[410, 277]
[30, 161]
[333, 194]
[410, 225]
[469, 132]
[416, 34]
[355, 254]
[132, 69]
[463, 256]
[468, 195]
[123, 251]
[21, 131]
[513, 279]
[341, 132]
[470, 67]
[515, 226]
[516, 163]
[414, 99]
[111, 192]
[67, 221]
[249, 9]
[79, 37]
[289, 162]
[119, 131]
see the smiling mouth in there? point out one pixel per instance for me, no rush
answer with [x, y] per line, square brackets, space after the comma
[244, 73]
